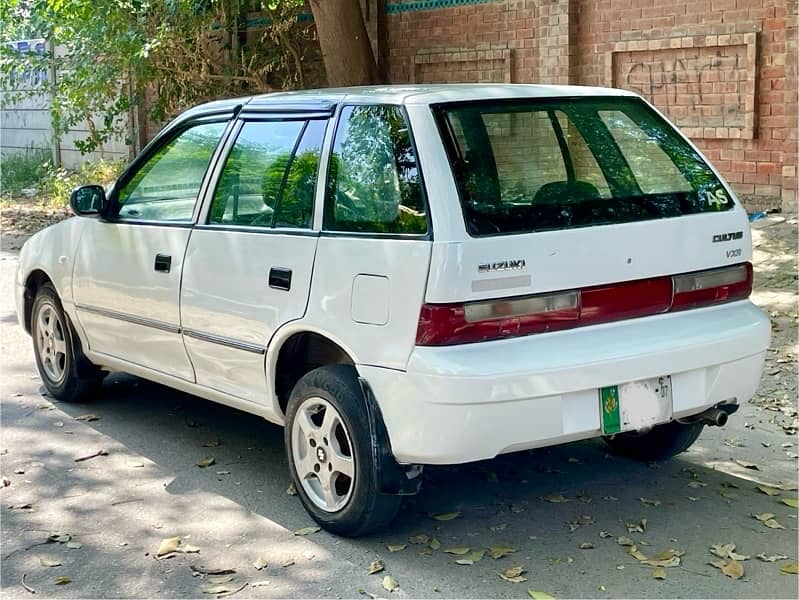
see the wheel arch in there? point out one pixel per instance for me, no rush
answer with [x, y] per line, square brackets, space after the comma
[34, 280]
[296, 350]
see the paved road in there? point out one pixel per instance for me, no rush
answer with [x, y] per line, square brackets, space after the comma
[120, 506]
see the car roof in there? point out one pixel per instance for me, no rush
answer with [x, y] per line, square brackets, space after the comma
[407, 94]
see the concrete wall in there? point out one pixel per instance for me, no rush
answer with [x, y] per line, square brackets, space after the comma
[26, 124]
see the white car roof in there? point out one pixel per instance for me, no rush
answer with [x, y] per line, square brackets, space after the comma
[435, 93]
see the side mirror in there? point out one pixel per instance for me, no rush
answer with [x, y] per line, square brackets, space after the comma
[88, 200]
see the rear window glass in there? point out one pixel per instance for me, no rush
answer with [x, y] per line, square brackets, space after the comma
[536, 165]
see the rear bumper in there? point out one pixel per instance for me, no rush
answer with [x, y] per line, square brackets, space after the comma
[471, 402]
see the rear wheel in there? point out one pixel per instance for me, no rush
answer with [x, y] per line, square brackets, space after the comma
[659, 443]
[65, 372]
[329, 451]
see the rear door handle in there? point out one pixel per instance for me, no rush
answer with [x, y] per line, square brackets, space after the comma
[280, 278]
[163, 263]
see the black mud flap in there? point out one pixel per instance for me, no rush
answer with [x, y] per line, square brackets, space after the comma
[393, 478]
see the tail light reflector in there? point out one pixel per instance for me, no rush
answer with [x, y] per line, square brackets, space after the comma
[448, 324]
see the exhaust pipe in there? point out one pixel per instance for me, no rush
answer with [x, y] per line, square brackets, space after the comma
[716, 416]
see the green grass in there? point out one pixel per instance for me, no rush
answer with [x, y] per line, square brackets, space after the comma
[20, 170]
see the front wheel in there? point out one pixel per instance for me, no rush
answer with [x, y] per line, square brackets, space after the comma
[329, 450]
[65, 372]
[659, 443]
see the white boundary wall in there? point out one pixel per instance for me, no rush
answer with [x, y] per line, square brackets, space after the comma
[26, 124]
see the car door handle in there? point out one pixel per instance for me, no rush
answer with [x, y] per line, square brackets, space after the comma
[163, 263]
[280, 278]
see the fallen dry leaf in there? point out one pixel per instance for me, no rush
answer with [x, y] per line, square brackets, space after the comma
[287, 563]
[260, 562]
[445, 516]
[168, 546]
[396, 547]
[290, 490]
[746, 464]
[555, 498]
[458, 550]
[639, 527]
[649, 502]
[586, 546]
[636, 553]
[763, 516]
[87, 418]
[732, 568]
[58, 424]
[218, 579]
[62, 580]
[773, 524]
[49, 562]
[497, 552]
[202, 570]
[419, 539]
[790, 568]
[769, 491]
[307, 530]
[605, 534]
[514, 574]
[435, 544]
[727, 551]
[792, 502]
[206, 462]
[539, 595]
[770, 557]
[624, 541]
[389, 583]
[215, 588]
[471, 558]
[659, 573]
[375, 567]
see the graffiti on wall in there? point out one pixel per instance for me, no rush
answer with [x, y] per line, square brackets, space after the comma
[704, 87]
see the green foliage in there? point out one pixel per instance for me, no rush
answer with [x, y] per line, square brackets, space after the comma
[20, 170]
[57, 184]
[115, 53]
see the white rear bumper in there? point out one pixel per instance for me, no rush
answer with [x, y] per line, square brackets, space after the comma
[471, 402]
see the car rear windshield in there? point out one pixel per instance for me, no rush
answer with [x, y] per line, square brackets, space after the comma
[536, 165]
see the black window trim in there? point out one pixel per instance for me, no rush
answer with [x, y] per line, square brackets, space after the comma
[164, 137]
[263, 115]
[428, 235]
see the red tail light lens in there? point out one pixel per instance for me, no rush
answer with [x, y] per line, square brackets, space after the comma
[448, 324]
[705, 288]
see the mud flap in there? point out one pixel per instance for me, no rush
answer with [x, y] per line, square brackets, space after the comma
[393, 478]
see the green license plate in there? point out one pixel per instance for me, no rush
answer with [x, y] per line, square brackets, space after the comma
[611, 413]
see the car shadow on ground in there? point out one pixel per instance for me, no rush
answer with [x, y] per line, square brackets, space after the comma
[561, 509]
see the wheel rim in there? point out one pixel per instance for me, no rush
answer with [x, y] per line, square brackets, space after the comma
[51, 344]
[323, 456]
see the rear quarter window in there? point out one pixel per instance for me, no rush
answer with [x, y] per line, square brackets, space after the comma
[533, 165]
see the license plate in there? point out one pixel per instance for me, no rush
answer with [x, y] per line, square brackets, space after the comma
[636, 405]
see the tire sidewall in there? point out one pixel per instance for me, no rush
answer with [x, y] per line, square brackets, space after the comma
[333, 386]
[47, 296]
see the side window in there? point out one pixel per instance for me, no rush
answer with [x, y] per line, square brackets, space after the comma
[653, 169]
[270, 175]
[165, 188]
[374, 184]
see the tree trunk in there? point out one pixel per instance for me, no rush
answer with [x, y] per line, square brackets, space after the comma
[346, 50]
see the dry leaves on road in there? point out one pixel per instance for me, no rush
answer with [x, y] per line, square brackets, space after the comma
[172, 546]
[731, 568]
[390, 584]
[727, 551]
[514, 574]
[307, 530]
[375, 567]
[445, 516]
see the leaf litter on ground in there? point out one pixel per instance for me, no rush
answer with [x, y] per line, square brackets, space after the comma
[375, 567]
[732, 568]
[514, 574]
[727, 551]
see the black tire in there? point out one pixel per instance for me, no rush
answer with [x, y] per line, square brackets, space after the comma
[68, 375]
[366, 509]
[660, 443]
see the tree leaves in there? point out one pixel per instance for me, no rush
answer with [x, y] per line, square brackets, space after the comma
[307, 530]
[538, 595]
[471, 557]
[458, 550]
[173, 545]
[790, 568]
[497, 552]
[206, 462]
[396, 547]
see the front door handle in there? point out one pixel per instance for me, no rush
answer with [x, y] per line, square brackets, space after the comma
[280, 278]
[163, 263]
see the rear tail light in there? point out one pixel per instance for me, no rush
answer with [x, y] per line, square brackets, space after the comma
[704, 288]
[448, 324]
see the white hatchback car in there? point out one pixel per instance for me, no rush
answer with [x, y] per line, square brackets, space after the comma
[405, 276]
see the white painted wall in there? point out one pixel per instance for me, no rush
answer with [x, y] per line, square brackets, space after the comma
[26, 124]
